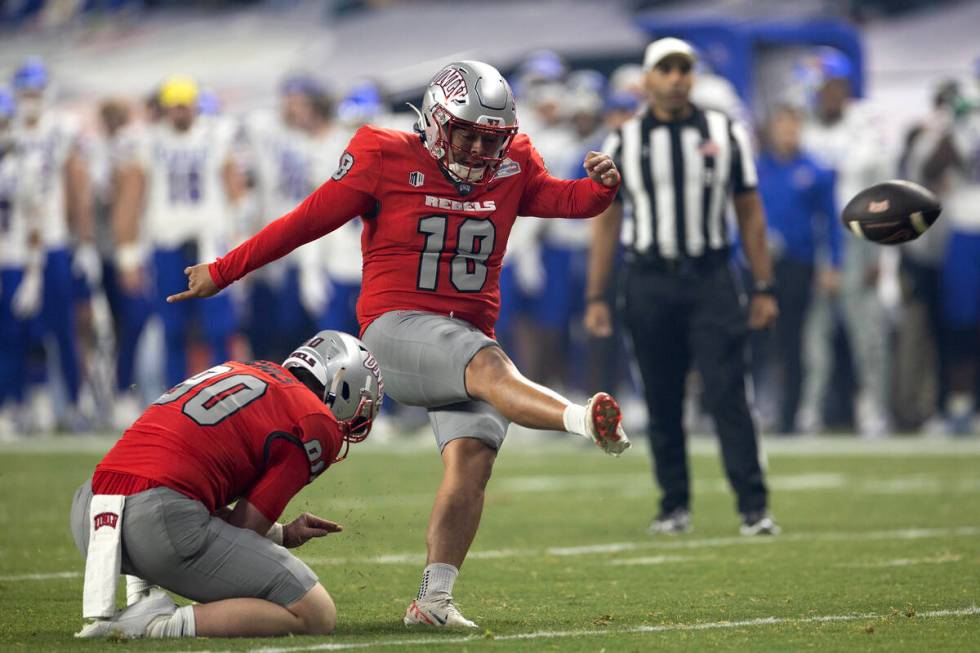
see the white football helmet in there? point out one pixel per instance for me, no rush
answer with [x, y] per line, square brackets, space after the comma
[474, 96]
[352, 386]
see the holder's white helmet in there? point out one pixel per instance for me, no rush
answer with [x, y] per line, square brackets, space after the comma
[352, 386]
[474, 96]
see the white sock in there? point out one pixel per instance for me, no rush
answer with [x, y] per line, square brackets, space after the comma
[437, 581]
[180, 624]
[575, 417]
[136, 588]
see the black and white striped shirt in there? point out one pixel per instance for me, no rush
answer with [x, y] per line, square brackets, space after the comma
[678, 179]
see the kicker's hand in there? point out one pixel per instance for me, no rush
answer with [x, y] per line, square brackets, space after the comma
[305, 527]
[601, 169]
[199, 284]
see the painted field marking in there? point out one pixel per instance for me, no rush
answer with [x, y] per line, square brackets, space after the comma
[655, 560]
[594, 632]
[903, 562]
[620, 547]
[52, 575]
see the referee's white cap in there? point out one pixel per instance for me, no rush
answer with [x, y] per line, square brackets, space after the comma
[662, 48]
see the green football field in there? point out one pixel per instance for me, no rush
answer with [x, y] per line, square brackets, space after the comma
[880, 551]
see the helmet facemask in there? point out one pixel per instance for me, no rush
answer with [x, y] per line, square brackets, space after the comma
[459, 158]
[357, 427]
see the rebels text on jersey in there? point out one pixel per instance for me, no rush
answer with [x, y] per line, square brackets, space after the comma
[428, 243]
[237, 430]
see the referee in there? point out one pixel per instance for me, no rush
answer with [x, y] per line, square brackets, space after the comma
[681, 165]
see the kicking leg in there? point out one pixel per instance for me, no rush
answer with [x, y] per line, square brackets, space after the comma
[492, 377]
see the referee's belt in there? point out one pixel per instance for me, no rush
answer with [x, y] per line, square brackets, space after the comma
[682, 266]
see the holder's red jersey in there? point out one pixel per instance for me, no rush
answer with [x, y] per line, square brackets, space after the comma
[237, 430]
[428, 243]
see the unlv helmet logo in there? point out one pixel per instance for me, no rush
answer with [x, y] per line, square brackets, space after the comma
[109, 519]
[878, 207]
[451, 81]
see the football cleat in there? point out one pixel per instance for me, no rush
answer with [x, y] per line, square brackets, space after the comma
[439, 613]
[758, 522]
[675, 522]
[135, 621]
[604, 424]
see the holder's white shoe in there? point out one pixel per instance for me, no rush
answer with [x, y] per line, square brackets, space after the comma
[133, 622]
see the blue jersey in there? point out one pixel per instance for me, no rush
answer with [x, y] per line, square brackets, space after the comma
[801, 212]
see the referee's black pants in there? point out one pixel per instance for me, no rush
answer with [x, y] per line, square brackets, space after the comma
[674, 318]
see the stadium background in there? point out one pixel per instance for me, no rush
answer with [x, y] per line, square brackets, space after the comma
[882, 529]
[240, 53]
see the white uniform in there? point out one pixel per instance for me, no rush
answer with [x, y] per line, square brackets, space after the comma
[339, 252]
[962, 203]
[186, 195]
[51, 140]
[19, 198]
[856, 148]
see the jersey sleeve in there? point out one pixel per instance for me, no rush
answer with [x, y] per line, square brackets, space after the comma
[547, 197]
[286, 472]
[327, 208]
[359, 167]
[613, 146]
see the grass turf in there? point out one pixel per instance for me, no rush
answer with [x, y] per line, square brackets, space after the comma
[881, 542]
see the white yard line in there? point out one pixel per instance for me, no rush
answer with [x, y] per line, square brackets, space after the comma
[622, 547]
[670, 544]
[597, 632]
[52, 575]
[903, 562]
[655, 560]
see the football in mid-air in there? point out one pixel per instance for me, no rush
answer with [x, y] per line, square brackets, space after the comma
[891, 212]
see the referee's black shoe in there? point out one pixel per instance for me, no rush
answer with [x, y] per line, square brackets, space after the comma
[675, 522]
[759, 522]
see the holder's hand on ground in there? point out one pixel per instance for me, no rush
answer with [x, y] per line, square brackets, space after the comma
[601, 169]
[306, 527]
[199, 284]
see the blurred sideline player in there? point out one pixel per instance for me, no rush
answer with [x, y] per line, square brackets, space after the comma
[66, 213]
[338, 255]
[844, 137]
[565, 245]
[532, 298]
[124, 284]
[158, 505]
[183, 174]
[281, 152]
[21, 268]
[438, 206]
[961, 272]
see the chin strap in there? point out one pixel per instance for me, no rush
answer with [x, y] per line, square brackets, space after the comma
[419, 125]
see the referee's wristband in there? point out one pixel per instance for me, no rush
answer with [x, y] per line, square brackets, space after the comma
[764, 288]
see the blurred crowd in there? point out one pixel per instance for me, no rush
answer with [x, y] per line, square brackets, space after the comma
[101, 211]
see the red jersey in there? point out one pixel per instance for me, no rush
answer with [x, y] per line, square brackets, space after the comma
[237, 430]
[427, 244]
